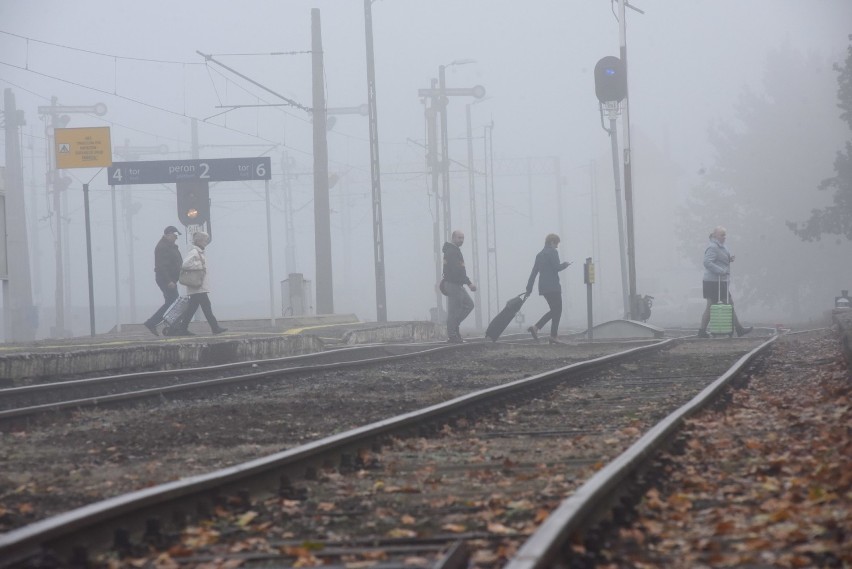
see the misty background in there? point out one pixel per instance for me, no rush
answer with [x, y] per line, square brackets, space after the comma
[733, 112]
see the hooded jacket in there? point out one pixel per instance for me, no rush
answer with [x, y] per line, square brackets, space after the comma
[454, 270]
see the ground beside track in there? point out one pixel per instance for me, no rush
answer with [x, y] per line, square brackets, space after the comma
[764, 482]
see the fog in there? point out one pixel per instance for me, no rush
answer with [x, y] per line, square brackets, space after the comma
[697, 72]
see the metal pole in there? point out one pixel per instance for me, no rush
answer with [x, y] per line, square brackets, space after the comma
[445, 153]
[289, 232]
[493, 214]
[628, 159]
[613, 136]
[589, 316]
[474, 231]
[375, 171]
[131, 246]
[115, 264]
[432, 167]
[489, 206]
[89, 259]
[60, 278]
[269, 256]
[557, 170]
[59, 293]
[322, 215]
[20, 311]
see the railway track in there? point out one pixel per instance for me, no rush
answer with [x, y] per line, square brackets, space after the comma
[468, 479]
[19, 404]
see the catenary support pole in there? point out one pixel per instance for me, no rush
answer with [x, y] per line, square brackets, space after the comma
[89, 259]
[322, 214]
[115, 263]
[432, 167]
[445, 152]
[613, 135]
[375, 171]
[269, 256]
[20, 313]
[628, 161]
[474, 230]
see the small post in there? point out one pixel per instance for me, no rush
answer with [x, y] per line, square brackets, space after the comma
[589, 279]
[89, 259]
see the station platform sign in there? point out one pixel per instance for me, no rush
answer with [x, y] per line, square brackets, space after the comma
[173, 171]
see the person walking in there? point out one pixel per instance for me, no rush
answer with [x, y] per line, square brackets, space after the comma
[547, 268]
[196, 260]
[167, 262]
[717, 270]
[459, 303]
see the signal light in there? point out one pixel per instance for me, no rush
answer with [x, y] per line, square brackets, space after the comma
[610, 79]
[193, 202]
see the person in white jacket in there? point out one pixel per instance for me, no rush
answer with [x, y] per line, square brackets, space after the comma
[196, 260]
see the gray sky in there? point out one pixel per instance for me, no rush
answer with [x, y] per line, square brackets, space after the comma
[688, 63]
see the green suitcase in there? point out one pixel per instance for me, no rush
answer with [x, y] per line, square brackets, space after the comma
[721, 320]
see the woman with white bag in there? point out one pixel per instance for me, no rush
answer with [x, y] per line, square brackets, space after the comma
[193, 275]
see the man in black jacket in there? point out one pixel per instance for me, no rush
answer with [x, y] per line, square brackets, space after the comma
[167, 262]
[459, 303]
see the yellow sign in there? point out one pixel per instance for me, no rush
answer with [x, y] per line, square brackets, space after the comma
[82, 147]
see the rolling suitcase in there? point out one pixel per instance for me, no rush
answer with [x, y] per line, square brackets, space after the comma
[721, 315]
[174, 312]
[499, 323]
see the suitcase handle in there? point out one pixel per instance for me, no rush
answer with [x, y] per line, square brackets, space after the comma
[727, 289]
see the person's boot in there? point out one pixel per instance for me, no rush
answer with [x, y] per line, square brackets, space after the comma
[152, 328]
[554, 340]
[741, 331]
[532, 330]
[703, 334]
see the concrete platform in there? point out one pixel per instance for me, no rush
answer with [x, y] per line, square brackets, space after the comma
[134, 348]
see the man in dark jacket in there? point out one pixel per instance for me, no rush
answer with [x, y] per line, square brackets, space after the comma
[459, 303]
[167, 262]
[547, 267]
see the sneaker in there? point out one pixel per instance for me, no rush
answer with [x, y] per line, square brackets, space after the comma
[533, 332]
[151, 328]
[455, 340]
[703, 334]
[554, 340]
[744, 331]
[220, 330]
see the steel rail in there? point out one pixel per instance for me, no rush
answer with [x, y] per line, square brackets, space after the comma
[543, 548]
[19, 412]
[10, 391]
[100, 520]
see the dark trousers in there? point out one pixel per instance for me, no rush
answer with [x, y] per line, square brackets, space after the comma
[554, 302]
[170, 295]
[195, 300]
[459, 305]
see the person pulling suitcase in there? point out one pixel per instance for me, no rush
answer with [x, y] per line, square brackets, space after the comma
[547, 267]
[717, 271]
